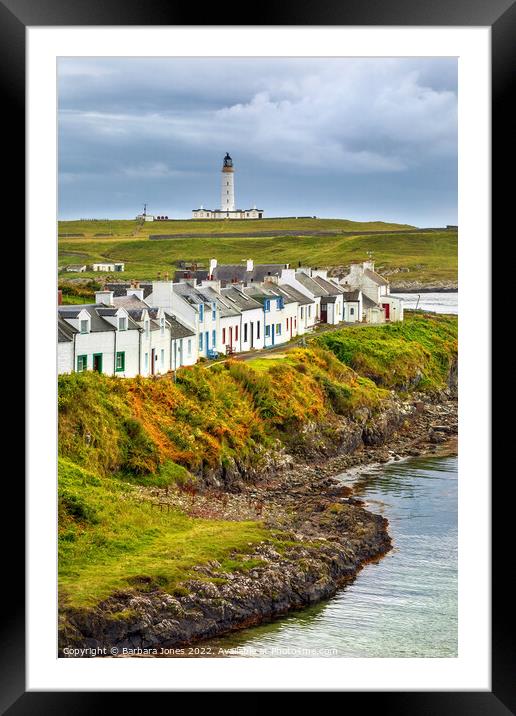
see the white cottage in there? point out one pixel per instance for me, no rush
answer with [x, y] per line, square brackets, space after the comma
[376, 288]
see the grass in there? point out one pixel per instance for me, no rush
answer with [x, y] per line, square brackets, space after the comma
[115, 434]
[109, 541]
[422, 256]
[416, 353]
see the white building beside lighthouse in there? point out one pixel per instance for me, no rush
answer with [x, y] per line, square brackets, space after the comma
[227, 203]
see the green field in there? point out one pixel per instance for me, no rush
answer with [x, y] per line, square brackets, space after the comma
[425, 256]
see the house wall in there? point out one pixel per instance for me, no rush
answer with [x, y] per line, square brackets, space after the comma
[254, 316]
[65, 363]
[127, 342]
[92, 343]
[273, 318]
[395, 307]
[288, 276]
[223, 335]
[352, 311]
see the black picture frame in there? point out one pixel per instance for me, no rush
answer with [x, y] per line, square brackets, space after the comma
[500, 15]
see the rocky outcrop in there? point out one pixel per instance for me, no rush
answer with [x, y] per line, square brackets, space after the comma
[342, 537]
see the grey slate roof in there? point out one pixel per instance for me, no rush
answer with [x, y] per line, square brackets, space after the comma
[243, 301]
[65, 331]
[330, 288]
[234, 273]
[120, 288]
[295, 294]
[311, 285]
[351, 295]
[178, 329]
[368, 302]
[380, 280]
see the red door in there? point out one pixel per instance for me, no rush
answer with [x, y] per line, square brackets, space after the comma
[291, 326]
[231, 336]
[387, 308]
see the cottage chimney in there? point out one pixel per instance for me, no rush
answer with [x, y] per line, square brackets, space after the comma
[213, 266]
[136, 291]
[250, 265]
[104, 297]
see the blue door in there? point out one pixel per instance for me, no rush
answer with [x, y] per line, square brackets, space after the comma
[207, 338]
[272, 333]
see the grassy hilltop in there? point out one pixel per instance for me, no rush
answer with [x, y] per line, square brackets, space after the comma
[425, 256]
[118, 436]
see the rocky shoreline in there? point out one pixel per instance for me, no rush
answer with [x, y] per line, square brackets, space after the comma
[329, 534]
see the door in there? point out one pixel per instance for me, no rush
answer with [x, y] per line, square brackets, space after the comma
[291, 326]
[324, 313]
[153, 361]
[231, 337]
[207, 340]
[251, 337]
[97, 362]
[387, 307]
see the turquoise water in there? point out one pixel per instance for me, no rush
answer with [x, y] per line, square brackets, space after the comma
[404, 606]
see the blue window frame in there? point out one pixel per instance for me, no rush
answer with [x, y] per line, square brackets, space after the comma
[200, 341]
[214, 311]
[214, 338]
[267, 305]
[278, 329]
[267, 331]
[201, 312]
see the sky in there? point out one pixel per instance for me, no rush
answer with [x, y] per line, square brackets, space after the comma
[352, 138]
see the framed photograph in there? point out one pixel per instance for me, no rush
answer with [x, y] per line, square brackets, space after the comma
[258, 433]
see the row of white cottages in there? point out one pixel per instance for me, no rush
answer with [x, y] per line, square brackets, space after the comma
[152, 328]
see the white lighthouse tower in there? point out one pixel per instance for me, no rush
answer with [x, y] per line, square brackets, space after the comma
[228, 185]
[227, 199]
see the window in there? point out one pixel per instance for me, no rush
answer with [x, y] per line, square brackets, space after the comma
[146, 361]
[309, 309]
[200, 341]
[85, 325]
[162, 357]
[258, 329]
[224, 336]
[214, 337]
[82, 363]
[267, 331]
[236, 333]
[278, 329]
[120, 361]
[122, 323]
[245, 332]
[302, 312]
[189, 346]
[146, 326]
[214, 311]
[201, 313]
[267, 306]
[162, 326]
[351, 311]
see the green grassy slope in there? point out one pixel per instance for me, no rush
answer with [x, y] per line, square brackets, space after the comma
[423, 256]
[115, 434]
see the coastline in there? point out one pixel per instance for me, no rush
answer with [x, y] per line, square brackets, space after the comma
[332, 536]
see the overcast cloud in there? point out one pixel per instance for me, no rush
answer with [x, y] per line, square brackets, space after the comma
[352, 138]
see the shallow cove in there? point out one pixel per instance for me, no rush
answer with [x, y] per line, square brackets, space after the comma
[403, 606]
